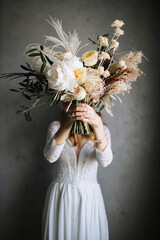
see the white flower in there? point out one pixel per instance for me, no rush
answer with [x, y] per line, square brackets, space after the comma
[114, 44]
[79, 74]
[100, 70]
[118, 32]
[103, 41]
[122, 64]
[90, 58]
[80, 93]
[117, 23]
[61, 77]
[104, 55]
[106, 73]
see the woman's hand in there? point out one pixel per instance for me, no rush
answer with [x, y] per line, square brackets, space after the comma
[85, 113]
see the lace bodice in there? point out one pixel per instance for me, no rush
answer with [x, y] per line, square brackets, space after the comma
[64, 157]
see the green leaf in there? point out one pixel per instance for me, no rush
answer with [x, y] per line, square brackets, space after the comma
[43, 66]
[26, 96]
[34, 54]
[42, 57]
[41, 47]
[106, 35]
[22, 84]
[93, 41]
[50, 62]
[19, 111]
[24, 106]
[25, 68]
[31, 50]
[14, 90]
[27, 116]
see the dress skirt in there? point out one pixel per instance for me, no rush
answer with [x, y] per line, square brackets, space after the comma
[74, 211]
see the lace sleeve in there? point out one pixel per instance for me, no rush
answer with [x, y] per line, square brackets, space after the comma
[51, 150]
[105, 157]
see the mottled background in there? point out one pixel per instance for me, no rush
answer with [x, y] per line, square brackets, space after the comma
[130, 183]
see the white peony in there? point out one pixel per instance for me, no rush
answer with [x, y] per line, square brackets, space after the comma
[61, 77]
[117, 23]
[90, 58]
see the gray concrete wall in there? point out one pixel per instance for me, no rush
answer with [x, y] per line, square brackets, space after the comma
[130, 183]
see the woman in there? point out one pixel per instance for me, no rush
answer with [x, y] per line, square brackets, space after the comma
[74, 207]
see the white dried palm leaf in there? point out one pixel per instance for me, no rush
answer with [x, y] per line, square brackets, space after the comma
[69, 43]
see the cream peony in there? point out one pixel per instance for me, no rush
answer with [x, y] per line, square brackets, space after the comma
[90, 58]
[104, 55]
[117, 23]
[79, 93]
[103, 41]
[114, 44]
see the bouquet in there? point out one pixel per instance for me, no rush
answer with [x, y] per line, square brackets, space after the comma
[56, 72]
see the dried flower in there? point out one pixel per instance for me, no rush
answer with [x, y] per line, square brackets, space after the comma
[103, 41]
[117, 23]
[118, 32]
[122, 64]
[94, 85]
[104, 55]
[106, 73]
[114, 44]
[100, 70]
[90, 58]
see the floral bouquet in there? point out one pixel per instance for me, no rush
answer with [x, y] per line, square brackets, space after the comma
[56, 72]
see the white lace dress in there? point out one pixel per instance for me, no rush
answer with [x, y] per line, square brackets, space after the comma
[74, 208]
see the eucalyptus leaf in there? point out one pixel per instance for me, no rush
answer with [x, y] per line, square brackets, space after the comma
[25, 68]
[34, 54]
[41, 47]
[31, 50]
[14, 90]
[26, 96]
[106, 35]
[50, 62]
[19, 111]
[42, 57]
[93, 41]
[43, 66]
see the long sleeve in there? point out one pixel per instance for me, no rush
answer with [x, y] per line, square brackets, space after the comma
[105, 157]
[51, 150]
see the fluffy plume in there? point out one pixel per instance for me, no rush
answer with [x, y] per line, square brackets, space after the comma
[69, 43]
[94, 85]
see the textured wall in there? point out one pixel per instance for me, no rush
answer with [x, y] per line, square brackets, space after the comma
[130, 183]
